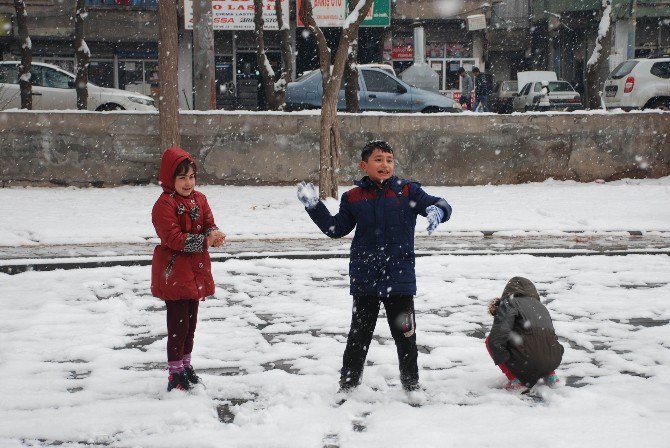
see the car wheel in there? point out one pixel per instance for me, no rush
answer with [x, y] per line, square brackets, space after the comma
[658, 103]
[109, 107]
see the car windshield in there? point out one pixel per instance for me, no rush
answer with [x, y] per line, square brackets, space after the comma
[560, 86]
[307, 75]
[623, 69]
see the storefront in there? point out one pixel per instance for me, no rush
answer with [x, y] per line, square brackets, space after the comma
[448, 48]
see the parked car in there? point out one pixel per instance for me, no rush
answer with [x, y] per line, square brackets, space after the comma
[502, 97]
[557, 95]
[386, 67]
[378, 90]
[639, 84]
[54, 88]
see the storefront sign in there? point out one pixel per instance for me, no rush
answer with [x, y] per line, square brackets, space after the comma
[403, 48]
[238, 14]
[331, 13]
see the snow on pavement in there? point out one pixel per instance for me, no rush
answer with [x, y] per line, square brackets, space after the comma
[123, 215]
[82, 355]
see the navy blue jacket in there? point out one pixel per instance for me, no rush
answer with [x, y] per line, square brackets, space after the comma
[382, 251]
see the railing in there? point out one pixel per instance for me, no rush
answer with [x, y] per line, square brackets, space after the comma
[123, 3]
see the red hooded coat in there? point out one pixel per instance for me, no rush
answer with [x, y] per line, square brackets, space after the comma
[181, 267]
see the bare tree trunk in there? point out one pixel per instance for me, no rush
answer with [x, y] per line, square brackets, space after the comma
[168, 100]
[203, 52]
[83, 56]
[286, 54]
[351, 72]
[329, 142]
[594, 65]
[25, 83]
[275, 91]
[267, 74]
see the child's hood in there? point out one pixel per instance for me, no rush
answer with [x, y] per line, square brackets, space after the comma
[171, 159]
[520, 286]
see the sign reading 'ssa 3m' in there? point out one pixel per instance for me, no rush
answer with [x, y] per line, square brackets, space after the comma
[331, 13]
[238, 14]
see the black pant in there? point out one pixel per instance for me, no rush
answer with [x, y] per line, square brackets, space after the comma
[400, 316]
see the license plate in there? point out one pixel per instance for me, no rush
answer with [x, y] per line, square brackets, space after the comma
[610, 93]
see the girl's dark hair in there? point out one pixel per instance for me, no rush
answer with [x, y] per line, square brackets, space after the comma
[371, 146]
[183, 167]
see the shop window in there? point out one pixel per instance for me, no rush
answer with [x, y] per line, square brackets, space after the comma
[101, 73]
[140, 76]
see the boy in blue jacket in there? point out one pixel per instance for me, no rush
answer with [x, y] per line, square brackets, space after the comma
[383, 209]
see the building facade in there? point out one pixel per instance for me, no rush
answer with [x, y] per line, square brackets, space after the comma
[517, 35]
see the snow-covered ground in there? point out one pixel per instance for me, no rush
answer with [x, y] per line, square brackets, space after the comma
[82, 351]
[122, 215]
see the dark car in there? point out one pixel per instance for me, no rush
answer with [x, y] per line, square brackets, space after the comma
[502, 97]
[378, 90]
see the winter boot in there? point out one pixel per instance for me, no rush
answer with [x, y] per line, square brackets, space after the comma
[178, 380]
[552, 380]
[191, 376]
[515, 385]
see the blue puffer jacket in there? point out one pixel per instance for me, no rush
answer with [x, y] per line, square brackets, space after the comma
[382, 251]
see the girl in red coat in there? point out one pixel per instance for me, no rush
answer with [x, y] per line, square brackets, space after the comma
[181, 268]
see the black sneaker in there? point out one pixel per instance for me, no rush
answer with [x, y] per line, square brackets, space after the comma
[191, 376]
[411, 387]
[178, 381]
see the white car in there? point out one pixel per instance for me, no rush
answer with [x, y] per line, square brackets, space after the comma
[54, 89]
[639, 84]
[547, 95]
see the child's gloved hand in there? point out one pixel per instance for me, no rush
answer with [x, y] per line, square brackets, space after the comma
[434, 215]
[552, 380]
[308, 195]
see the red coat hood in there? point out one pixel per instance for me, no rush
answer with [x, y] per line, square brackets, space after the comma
[171, 159]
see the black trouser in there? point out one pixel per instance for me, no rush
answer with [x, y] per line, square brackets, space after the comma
[400, 316]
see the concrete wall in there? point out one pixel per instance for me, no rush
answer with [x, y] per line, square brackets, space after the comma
[106, 149]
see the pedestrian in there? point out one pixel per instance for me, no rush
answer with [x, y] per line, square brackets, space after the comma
[383, 209]
[522, 341]
[481, 90]
[466, 88]
[181, 268]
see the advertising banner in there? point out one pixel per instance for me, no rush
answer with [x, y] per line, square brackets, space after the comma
[331, 13]
[238, 14]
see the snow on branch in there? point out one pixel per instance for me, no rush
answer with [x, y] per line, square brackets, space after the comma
[603, 29]
[353, 16]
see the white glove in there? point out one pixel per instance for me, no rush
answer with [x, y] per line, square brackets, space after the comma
[434, 215]
[308, 195]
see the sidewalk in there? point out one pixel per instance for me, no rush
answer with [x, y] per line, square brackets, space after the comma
[560, 244]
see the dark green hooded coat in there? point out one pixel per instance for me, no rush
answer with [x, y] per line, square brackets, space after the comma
[523, 335]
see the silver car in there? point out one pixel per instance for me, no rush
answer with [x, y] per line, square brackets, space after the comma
[378, 90]
[558, 95]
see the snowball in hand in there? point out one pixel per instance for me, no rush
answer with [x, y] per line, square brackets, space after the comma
[308, 195]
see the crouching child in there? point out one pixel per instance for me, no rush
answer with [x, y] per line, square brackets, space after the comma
[522, 341]
[383, 209]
